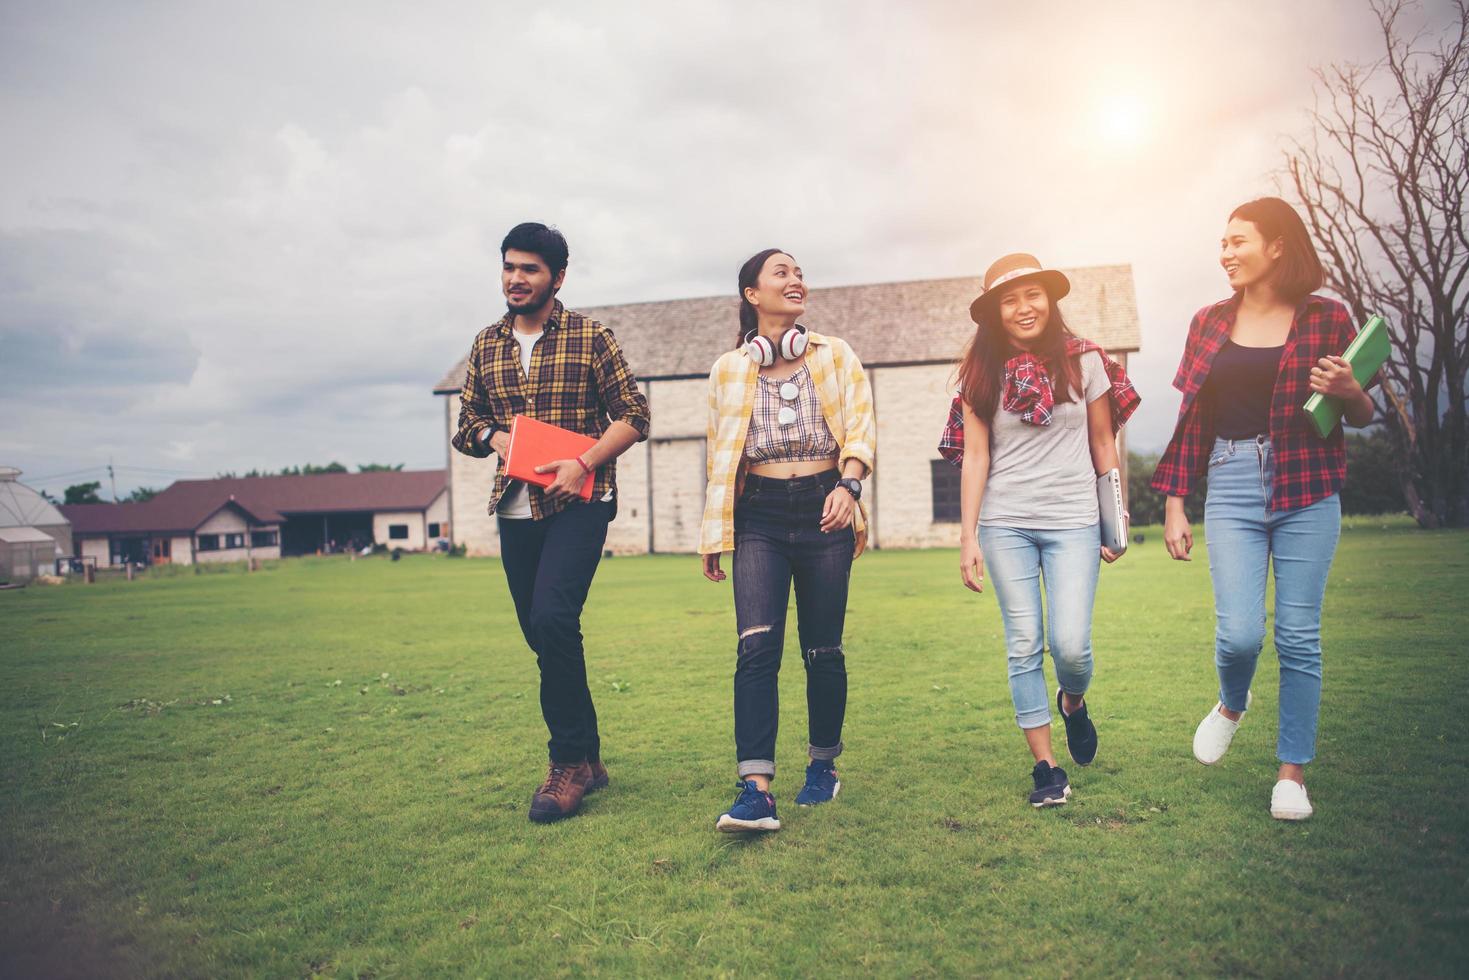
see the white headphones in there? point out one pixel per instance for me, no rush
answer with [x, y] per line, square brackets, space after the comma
[792, 345]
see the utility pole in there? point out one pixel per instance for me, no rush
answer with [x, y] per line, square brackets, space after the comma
[112, 477]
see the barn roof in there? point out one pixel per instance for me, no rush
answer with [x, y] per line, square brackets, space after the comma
[186, 504]
[921, 322]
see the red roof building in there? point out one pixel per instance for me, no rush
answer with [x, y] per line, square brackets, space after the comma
[266, 517]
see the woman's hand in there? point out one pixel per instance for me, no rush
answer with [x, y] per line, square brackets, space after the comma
[971, 564]
[1333, 376]
[1108, 555]
[837, 513]
[1178, 536]
[712, 571]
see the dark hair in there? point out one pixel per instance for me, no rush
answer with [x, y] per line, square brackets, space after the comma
[982, 367]
[749, 276]
[548, 243]
[1298, 271]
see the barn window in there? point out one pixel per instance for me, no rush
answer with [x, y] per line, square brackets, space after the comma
[398, 532]
[208, 542]
[945, 477]
[433, 530]
[264, 539]
[234, 541]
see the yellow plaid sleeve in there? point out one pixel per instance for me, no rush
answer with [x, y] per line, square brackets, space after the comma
[731, 395]
[860, 440]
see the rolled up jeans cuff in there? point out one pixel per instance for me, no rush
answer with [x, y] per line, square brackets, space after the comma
[757, 767]
[831, 753]
[1034, 719]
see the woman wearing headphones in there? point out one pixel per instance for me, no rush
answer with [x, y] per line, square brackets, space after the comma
[791, 435]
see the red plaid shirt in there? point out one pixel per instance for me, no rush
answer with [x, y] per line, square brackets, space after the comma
[1307, 467]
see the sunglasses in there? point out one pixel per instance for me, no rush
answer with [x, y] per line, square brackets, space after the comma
[789, 392]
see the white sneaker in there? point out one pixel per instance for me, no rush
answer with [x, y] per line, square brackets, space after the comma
[1215, 732]
[1288, 801]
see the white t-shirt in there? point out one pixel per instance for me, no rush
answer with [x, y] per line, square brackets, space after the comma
[515, 504]
[1041, 476]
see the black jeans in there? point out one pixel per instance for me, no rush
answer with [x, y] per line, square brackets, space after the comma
[549, 564]
[778, 539]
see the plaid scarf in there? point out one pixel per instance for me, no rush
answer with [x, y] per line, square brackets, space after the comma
[1030, 394]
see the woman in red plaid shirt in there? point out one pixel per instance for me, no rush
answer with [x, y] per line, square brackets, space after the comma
[1249, 364]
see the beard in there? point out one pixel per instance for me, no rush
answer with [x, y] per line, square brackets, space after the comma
[530, 304]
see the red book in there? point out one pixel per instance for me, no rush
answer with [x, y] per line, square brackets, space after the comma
[535, 444]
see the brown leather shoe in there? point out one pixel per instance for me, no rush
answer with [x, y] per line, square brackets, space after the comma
[599, 776]
[560, 795]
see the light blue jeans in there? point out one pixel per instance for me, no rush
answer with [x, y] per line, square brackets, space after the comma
[1019, 560]
[1244, 539]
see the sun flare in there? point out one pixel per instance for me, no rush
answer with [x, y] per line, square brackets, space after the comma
[1123, 120]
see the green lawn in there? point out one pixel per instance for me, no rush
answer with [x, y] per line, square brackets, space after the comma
[324, 767]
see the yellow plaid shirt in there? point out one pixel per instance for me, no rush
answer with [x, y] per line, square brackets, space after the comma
[846, 401]
[578, 380]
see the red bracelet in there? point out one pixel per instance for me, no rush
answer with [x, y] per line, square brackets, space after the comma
[583, 464]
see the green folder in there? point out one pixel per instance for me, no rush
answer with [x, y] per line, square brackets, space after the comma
[1366, 353]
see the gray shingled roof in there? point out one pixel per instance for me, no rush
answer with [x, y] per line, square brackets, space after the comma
[889, 323]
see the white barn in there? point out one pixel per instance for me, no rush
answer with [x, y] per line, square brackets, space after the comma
[909, 336]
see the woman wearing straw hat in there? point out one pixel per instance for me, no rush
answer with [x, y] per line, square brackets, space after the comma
[791, 435]
[1040, 412]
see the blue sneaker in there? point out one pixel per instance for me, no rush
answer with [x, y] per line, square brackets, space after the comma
[822, 784]
[1081, 734]
[753, 809]
[1052, 788]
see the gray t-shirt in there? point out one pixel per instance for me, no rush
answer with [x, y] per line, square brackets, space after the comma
[1041, 476]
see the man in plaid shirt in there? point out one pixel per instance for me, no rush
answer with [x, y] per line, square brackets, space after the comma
[549, 363]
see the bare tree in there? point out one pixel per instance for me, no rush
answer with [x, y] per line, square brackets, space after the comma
[1383, 178]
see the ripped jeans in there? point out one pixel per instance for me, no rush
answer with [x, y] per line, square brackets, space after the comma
[778, 540]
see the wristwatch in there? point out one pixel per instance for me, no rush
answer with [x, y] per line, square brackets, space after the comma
[854, 487]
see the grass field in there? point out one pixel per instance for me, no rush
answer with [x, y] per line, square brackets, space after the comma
[324, 768]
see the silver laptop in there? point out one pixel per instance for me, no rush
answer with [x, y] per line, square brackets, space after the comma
[1113, 513]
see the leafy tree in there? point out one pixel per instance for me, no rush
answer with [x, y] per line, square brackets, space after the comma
[1146, 504]
[1384, 179]
[1372, 485]
[141, 495]
[311, 469]
[379, 467]
[83, 493]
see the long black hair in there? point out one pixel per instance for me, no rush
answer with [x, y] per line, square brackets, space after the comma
[749, 276]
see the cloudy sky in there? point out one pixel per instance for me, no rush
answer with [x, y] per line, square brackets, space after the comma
[254, 235]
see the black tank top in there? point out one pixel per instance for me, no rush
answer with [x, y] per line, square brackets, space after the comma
[1241, 385]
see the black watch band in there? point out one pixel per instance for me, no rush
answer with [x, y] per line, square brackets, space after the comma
[854, 487]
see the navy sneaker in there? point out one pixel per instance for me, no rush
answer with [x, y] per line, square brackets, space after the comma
[1051, 787]
[1081, 734]
[753, 809]
[822, 784]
